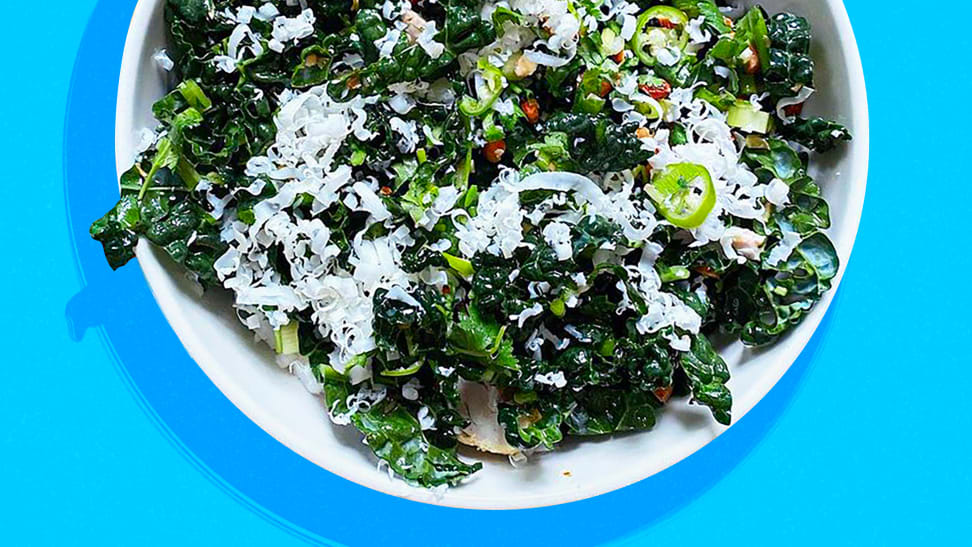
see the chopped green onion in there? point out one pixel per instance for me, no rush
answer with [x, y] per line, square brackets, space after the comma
[460, 265]
[674, 273]
[194, 95]
[286, 340]
[188, 174]
[590, 103]
[611, 43]
[746, 117]
[607, 347]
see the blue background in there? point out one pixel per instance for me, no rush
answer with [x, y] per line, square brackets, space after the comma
[110, 435]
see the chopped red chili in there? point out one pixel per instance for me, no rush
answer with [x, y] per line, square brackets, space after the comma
[531, 109]
[494, 151]
[657, 92]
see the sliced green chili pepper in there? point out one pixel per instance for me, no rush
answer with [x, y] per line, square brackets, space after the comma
[649, 39]
[649, 110]
[674, 16]
[407, 371]
[684, 194]
[487, 93]
[492, 131]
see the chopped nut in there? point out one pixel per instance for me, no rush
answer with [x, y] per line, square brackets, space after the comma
[530, 419]
[414, 25]
[524, 67]
[748, 243]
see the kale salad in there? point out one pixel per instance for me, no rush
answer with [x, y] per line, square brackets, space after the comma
[495, 224]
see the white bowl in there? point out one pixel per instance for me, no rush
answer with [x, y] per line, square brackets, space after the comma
[245, 372]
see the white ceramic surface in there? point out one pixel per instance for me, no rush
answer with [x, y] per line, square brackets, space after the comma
[244, 371]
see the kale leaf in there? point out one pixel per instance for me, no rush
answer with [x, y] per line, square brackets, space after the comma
[597, 144]
[707, 375]
[396, 437]
[816, 133]
[790, 65]
[478, 339]
[602, 411]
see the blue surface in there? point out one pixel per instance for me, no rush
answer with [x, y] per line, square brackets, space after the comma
[110, 435]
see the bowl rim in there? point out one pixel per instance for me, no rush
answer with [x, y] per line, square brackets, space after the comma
[133, 54]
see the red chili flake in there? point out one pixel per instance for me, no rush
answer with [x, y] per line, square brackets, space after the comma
[663, 393]
[793, 109]
[619, 57]
[753, 62]
[665, 23]
[707, 272]
[531, 108]
[494, 151]
[446, 289]
[648, 170]
[386, 191]
[606, 88]
[657, 92]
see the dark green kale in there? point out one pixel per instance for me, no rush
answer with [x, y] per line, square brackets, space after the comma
[492, 290]
[816, 133]
[763, 305]
[790, 65]
[411, 331]
[533, 423]
[395, 435]
[592, 233]
[593, 143]
[602, 411]
[464, 29]
[155, 201]
[707, 376]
